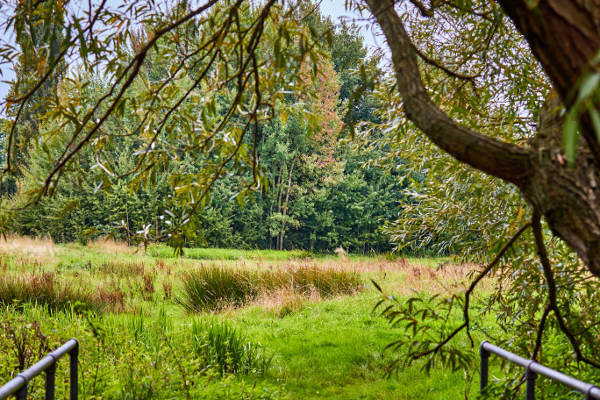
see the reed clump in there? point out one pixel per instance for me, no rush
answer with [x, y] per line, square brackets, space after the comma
[46, 290]
[218, 287]
[226, 350]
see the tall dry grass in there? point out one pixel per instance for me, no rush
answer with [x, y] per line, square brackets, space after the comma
[43, 289]
[110, 246]
[218, 287]
[285, 301]
[48, 290]
[406, 276]
[43, 249]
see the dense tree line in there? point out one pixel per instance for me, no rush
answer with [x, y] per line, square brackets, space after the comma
[317, 194]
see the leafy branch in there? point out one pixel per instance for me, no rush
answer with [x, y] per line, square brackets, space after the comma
[395, 316]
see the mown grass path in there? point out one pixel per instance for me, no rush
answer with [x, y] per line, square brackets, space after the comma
[333, 349]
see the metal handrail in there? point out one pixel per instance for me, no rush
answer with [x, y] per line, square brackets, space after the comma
[18, 385]
[532, 369]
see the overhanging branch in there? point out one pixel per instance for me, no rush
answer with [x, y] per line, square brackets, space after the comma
[500, 159]
[469, 292]
[552, 295]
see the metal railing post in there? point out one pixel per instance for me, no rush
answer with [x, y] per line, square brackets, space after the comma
[530, 377]
[74, 359]
[50, 378]
[483, 371]
[22, 393]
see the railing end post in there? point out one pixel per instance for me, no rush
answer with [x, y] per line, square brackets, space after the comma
[22, 392]
[50, 380]
[483, 373]
[73, 367]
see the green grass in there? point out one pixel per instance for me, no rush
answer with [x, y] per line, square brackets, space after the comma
[329, 346]
[333, 349]
[227, 350]
[229, 254]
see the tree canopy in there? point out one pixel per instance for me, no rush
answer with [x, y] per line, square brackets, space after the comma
[250, 94]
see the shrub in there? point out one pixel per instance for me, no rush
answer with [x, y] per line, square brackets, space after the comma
[225, 349]
[148, 288]
[110, 297]
[21, 341]
[167, 288]
[327, 282]
[213, 288]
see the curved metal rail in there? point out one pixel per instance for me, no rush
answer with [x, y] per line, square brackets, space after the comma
[532, 370]
[18, 385]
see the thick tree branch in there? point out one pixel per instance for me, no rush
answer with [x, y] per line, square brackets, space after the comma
[425, 11]
[503, 160]
[565, 37]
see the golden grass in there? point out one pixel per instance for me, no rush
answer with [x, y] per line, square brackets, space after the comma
[447, 280]
[110, 246]
[338, 264]
[402, 276]
[282, 287]
[43, 249]
[285, 301]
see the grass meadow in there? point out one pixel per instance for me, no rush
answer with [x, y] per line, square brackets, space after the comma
[214, 323]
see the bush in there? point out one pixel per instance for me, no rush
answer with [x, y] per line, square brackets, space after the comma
[327, 282]
[214, 288]
[224, 349]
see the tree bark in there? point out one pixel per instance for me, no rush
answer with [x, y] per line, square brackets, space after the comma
[564, 37]
[567, 195]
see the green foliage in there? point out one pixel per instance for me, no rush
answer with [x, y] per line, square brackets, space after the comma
[223, 348]
[312, 196]
[423, 320]
[450, 209]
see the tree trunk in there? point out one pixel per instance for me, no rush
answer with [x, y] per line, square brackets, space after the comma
[285, 205]
[567, 195]
[564, 36]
